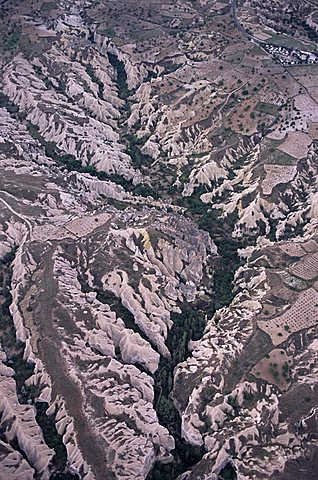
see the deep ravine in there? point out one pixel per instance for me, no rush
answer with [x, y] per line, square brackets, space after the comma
[190, 326]
[23, 370]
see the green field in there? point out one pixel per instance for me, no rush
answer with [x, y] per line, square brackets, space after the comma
[268, 108]
[288, 41]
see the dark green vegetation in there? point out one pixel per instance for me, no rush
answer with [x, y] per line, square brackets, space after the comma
[119, 67]
[7, 331]
[189, 325]
[220, 230]
[228, 473]
[9, 40]
[55, 441]
[23, 370]
[139, 159]
[107, 32]
[133, 143]
[70, 163]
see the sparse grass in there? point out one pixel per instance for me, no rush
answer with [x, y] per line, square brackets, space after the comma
[11, 40]
[268, 108]
[274, 156]
[289, 41]
[107, 32]
[46, 6]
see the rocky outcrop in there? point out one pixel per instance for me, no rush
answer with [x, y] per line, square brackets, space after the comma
[19, 427]
[90, 141]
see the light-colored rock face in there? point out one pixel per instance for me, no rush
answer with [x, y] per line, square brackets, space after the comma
[18, 424]
[134, 138]
[115, 322]
[226, 406]
[106, 283]
[62, 118]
